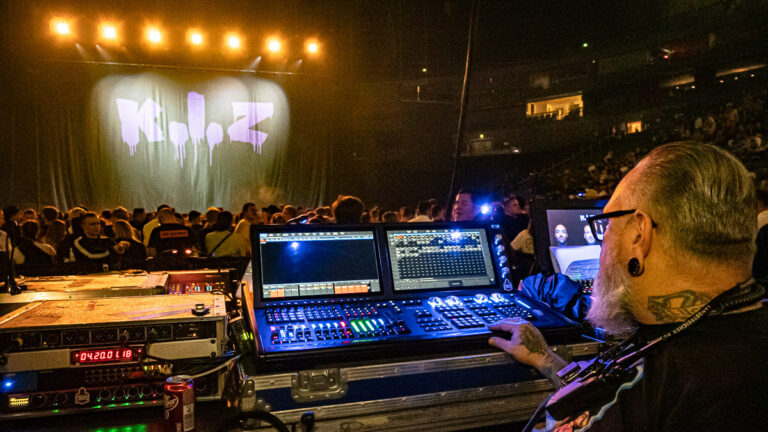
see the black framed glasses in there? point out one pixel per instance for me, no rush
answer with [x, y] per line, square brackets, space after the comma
[599, 223]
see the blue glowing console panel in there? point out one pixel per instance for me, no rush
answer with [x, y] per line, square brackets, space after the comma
[316, 293]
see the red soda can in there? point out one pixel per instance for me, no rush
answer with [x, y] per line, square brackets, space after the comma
[179, 402]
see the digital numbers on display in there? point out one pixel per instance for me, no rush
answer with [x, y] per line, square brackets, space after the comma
[103, 355]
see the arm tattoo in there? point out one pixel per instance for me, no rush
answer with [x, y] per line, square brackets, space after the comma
[529, 340]
[551, 367]
[677, 306]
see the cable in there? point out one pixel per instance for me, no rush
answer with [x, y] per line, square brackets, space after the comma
[219, 367]
[236, 421]
[464, 97]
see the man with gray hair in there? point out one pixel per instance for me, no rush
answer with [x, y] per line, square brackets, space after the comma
[682, 233]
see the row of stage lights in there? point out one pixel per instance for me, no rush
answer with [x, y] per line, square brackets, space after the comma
[109, 34]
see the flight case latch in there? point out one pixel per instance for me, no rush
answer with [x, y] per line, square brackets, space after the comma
[316, 385]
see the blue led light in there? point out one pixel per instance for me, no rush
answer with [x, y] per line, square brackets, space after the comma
[485, 209]
[294, 245]
[455, 235]
[7, 384]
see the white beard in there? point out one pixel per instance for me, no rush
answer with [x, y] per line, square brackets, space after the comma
[611, 298]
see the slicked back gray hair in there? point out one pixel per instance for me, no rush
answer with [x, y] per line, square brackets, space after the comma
[703, 199]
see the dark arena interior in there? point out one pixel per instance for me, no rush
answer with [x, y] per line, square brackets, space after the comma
[383, 215]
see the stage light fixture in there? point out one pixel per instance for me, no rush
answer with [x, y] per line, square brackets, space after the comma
[274, 45]
[154, 35]
[312, 46]
[108, 32]
[195, 37]
[233, 41]
[61, 27]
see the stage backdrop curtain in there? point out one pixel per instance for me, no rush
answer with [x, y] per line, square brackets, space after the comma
[104, 136]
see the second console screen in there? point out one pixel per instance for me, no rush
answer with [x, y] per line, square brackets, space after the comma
[439, 258]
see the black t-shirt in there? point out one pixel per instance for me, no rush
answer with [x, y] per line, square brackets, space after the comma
[172, 236]
[710, 377]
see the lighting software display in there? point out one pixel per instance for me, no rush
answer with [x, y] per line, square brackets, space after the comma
[309, 264]
[439, 258]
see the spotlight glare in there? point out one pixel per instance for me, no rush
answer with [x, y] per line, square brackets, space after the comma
[196, 38]
[61, 27]
[108, 32]
[485, 209]
[154, 35]
[312, 46]
[233, 41]
[274, 45]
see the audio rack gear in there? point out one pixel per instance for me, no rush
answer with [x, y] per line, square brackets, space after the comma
[109, 353]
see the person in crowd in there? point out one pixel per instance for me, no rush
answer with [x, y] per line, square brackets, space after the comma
[375, 214]
[195, 221]
[659, 266]
[523, 242]
[11, 226]
[514, 218]
[28, 214]
[65, 247]
[249, 216]
[210, 220]
[135, 254]
[437, 213]
[47, 216]
[106, 223]
[422, 212]
[278, 219]
[5, 245]
[464, 208]
[30, 251]
[289, 212]
[760, 263]
[171, 235]
[154, 223]
[390, 217]
[223, 241]
[561, 235]
[138, 219]
[347, 209]
[56, 232]
[93, 252]
[406, 213]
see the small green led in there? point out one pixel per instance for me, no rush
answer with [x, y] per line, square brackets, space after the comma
[354, 326]
[96, 406]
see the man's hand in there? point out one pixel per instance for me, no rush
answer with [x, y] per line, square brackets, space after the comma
[527, 346]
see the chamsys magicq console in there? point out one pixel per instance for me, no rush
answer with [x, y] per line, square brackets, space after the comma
[320, 292]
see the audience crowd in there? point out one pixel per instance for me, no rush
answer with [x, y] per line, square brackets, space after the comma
[118, 239]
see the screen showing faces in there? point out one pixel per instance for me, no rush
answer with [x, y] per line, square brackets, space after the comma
[439, 258]
[574, 250]
[309, 264]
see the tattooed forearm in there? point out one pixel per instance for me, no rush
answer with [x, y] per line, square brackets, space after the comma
[551, 367]
[530, 340]
[677, 306]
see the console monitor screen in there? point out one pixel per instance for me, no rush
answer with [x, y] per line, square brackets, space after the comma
[308, 264]
[575, 252]
[440, 258]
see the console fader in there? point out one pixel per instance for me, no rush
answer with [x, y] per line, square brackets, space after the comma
[423, 284]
